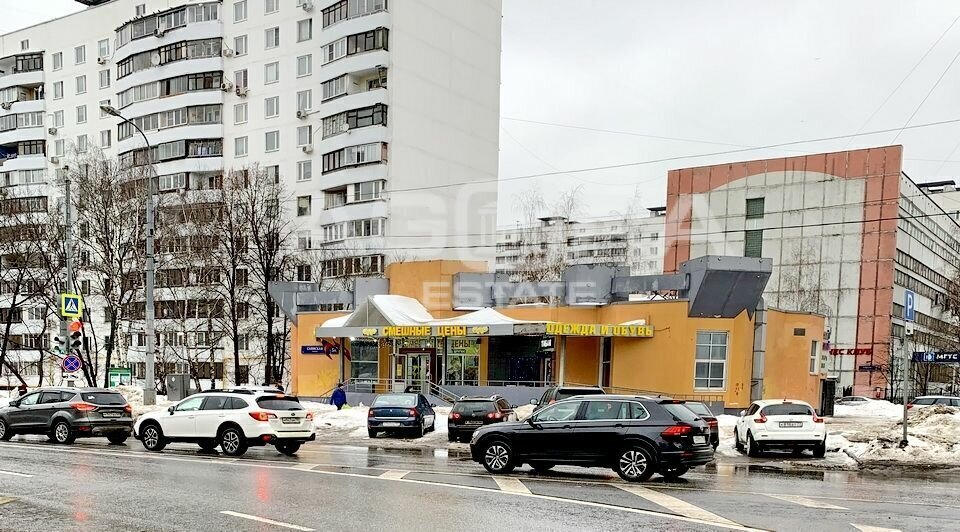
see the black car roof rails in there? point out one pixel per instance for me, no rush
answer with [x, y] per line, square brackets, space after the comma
[229, 390]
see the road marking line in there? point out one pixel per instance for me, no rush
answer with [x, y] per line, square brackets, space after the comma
[674, 504]
[393, 474]
[5, 500]
[809, 503]
[267, 521]
[303, 467]
[868, 528]
[15, 474]
[511, 485]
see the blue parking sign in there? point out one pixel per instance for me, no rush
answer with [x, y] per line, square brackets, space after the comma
[909, 304]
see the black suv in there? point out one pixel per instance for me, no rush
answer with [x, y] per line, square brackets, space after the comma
[64, 414]
[558, 393]
[636, 436]
[470, 413]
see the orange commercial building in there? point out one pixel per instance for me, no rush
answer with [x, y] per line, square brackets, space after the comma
[412, 336]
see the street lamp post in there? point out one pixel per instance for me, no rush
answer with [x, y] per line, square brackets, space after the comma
[149, 386]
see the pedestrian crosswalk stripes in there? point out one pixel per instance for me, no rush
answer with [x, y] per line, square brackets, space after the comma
[675, 505]
[868, 528]
[394, 474]
[809, 503]
[511, 485]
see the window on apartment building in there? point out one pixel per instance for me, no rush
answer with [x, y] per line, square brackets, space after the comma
[82, 144]
[239, 113]
[140, 10]
[59, 147]
[304, 240]
[103, 48]
[240, 146]
[80, 55]
[241, 79]
[271, 38]
[303, 205]
[57, 90]
[240, 45]
[105, 138]
[57, 60]
[304, 30]
[81, 84]
[240, 11]
[753, 243]
[334, 87]
[332, 232]
[25, 44]
[58, 119]
[304, 65]
[334, 13]
[271, 6]
[305, 100]
[81, 114]
[105, 78]
[103, 103]
[271, 107]
[303, 272]
[273, 173]
[304, 135]
[654, 236]
[367, 227]
[271, 141]
[368, 191]
[711, 360]
[304, 170]
[271, 72]
[754, 208]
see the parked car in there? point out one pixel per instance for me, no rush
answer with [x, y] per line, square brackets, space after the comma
[852, 400]
[558, 393]
[781, 424]
[401, 412]
[703, 412]
[232, 419]
[470, 413]
[64, 414]
[636, 436]
[931, 400]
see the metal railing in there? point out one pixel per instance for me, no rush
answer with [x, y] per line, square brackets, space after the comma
[620, 390]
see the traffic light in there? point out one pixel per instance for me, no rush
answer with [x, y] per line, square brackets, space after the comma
[76, 334]
[60, 345]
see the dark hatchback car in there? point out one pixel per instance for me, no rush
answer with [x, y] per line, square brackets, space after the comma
[469, 414]
[636, 436]
[65, 414]
[396, 412]
[558, 393]
[704, 413]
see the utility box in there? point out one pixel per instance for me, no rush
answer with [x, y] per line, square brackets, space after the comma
[178, 386]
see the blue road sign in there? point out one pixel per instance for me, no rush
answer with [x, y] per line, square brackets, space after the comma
[312, 350]
[909, 305]
[71, 363]
[936, 357]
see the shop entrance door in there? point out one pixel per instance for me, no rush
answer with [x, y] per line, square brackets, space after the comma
[411, 371]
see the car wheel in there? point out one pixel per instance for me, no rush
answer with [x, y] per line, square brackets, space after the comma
[372, 433]
[433, 426]
[151, 436]
[289, 448]
[208, 445]
[498, 457]
[820, 450]
[232, 442]
[753, 448]
[797, 451]
[61, 433]
[5, 431]
[117, 438]
[423, 429]
[736, 441]
[542, 467]
[635, 464]
[674, 472]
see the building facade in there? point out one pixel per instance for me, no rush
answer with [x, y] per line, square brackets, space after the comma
[378, 119]
[635, 243]
[849, 234]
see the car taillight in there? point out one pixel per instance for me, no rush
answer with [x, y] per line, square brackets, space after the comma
[262, 416]
[309, 416]
[494, 415]
[712, 423]
[761, 419]
[817, 419]
[455, 415]
[909, 406]
[128, 409]
[413, 412]
[676, 431]
[83, 407]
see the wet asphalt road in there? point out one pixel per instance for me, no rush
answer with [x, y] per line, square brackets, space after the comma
[93, 486]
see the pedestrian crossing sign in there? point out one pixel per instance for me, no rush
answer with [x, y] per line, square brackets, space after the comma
[71, 305]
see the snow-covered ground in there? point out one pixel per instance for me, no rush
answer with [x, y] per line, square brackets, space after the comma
[134, 396]
[878, 408]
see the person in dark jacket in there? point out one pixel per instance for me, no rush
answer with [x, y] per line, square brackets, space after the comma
[22, 389]
[339, 397]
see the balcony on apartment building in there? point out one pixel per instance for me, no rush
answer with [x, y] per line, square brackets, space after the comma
[22, 70]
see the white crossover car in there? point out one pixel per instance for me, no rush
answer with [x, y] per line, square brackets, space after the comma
[780, 424]
[233, 419]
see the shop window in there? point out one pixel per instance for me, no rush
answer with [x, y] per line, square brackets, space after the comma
[364, 361]
[606, 361]
[711, 360]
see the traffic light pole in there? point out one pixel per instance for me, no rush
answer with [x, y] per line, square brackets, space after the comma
[68, 259]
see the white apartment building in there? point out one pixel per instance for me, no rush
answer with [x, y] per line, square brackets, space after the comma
[632, 242]
[379, 117]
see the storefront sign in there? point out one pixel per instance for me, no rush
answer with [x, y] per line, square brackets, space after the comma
[312, 350]
[463, 346]
[936, 357]
[596, 329]
[863, 351]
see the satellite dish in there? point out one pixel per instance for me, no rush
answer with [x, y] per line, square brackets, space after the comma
[155, 59]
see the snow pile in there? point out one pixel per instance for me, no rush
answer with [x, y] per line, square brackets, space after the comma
[934, 437]
[525, 411]
[352, 422]
[726, 420]
[878, 408]
[134, 396]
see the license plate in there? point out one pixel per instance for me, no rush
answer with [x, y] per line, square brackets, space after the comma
[290, 421]
[391, 424]
[110, 414]
[700, 439]
[473, 422]
[791, 424]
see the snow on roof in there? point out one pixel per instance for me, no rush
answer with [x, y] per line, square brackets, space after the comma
[382, 310]
[336, 322]
[485, 316]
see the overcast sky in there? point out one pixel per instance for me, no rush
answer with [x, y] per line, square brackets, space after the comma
[721, 74]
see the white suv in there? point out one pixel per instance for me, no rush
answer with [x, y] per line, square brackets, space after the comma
[783, 424]
[232, 419]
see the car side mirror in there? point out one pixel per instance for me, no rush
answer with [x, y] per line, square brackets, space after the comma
[534, 402]
[15, 404]
[170, 409]
[743, 413]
